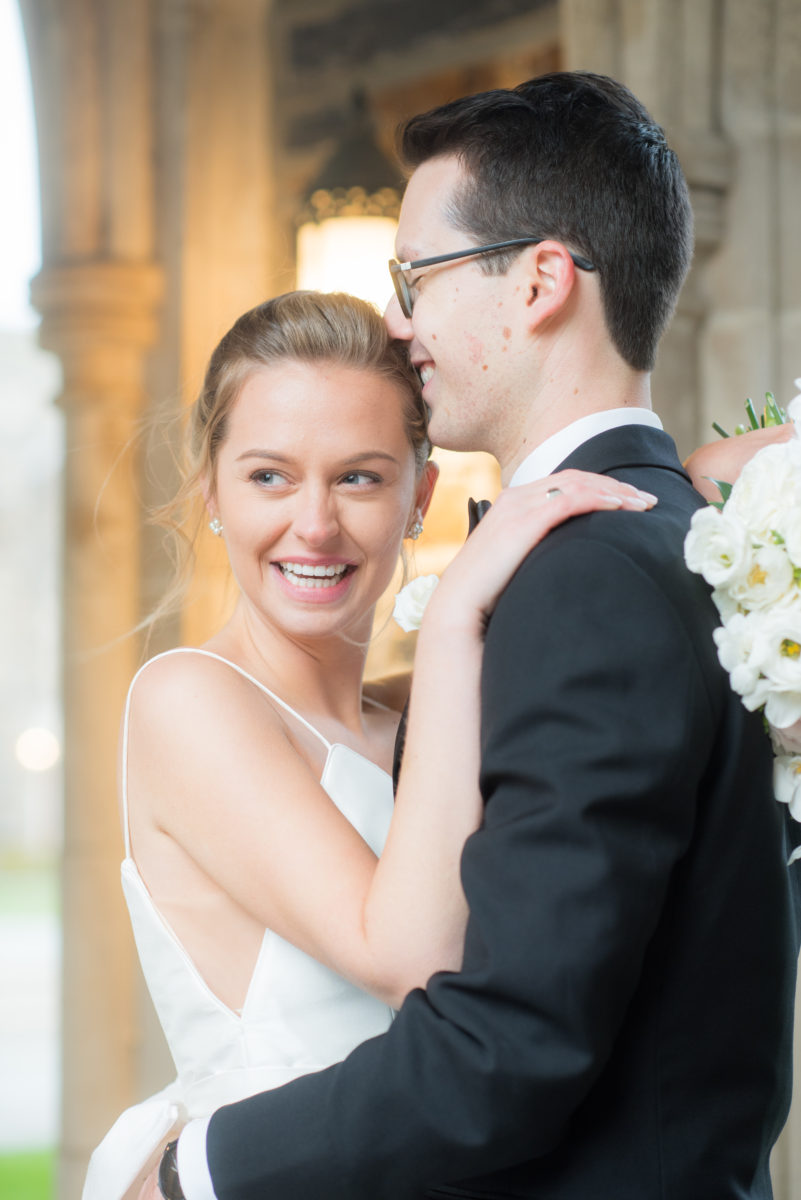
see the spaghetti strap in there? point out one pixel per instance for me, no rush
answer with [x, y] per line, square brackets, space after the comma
[207, 654]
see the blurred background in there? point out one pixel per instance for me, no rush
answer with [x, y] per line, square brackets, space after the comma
[168, 164]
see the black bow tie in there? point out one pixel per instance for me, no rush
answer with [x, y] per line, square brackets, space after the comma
[476, 509]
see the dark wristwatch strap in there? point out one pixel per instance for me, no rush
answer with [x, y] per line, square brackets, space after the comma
[169, 1183]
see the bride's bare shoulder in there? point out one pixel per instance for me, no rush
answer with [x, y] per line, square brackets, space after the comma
[193, 690]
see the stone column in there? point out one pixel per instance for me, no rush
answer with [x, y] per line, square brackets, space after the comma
[154, 128]
[723, 78]
[216, 204]
[752, 341]
[667, 52]
[99, 318]
[98, 294]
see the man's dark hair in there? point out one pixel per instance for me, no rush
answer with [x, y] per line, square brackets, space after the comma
[574, 157]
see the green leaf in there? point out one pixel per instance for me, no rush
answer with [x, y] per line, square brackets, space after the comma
[751, 413]
[719, 429]
[723, 487]
[774, 415]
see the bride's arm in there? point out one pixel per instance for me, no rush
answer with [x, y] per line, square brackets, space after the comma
[725, 458]
[217, 774]
[416, 907]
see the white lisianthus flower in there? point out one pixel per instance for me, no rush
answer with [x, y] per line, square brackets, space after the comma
[725, 605]
[776, 654]
[735, 642]
[768, 579]
[792, 540]
[787, 782]
[411, 601]
[749, 549]
[787, 741]
[767, 488]
[794, 407]
[717, 548]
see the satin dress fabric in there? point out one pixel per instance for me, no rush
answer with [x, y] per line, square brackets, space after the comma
[298, 1016]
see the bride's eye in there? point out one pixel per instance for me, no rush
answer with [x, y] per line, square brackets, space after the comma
[267, 478]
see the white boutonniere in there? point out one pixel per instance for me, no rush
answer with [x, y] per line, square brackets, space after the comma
[411, 601]
[748, 547]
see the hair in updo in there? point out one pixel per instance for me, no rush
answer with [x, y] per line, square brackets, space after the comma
[304, 327]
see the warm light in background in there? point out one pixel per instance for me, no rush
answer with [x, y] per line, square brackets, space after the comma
[37, 749]
[348, 254]
[346, 231]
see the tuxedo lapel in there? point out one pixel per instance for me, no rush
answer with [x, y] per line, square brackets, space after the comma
[627, 446]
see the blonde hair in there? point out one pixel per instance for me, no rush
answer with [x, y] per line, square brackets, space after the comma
[303, 326]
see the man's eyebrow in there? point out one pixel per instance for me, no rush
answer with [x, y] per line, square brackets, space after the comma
[366, 455]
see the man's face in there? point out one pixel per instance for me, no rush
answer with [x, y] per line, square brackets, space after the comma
[465, 332]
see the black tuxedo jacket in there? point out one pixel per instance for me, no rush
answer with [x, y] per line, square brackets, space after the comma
[621, 1027]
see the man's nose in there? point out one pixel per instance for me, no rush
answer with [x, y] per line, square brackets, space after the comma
[399, 325]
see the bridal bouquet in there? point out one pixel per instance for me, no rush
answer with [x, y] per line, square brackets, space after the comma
[748, 547]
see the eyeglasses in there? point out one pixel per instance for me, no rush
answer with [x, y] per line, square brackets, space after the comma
[404, 288]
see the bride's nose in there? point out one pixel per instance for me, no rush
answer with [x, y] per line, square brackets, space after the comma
[316, 518]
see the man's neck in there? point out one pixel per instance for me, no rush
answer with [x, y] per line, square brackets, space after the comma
[550, 454]
[556, 408]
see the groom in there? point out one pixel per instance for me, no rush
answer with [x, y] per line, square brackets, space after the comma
[621, 1026]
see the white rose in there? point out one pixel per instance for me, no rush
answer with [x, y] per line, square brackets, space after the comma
[717, 547]
[787, 782]
[411, 601]
[768, 578]
[767, 487]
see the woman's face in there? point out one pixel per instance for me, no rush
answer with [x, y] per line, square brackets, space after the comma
[315, 487]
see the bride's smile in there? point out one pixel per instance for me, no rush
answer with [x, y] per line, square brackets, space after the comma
[315, 487]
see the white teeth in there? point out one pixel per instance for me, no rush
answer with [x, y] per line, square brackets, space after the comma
[425, 374]
[307, 575]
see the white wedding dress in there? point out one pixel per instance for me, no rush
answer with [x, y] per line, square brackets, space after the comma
[298, 1015]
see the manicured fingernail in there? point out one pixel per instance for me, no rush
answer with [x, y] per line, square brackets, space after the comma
[612, 501]
[648, 496]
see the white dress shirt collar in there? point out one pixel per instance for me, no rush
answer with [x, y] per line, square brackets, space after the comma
[546, 457]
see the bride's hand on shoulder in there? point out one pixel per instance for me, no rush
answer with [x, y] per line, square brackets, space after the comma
[519, 519]
[725, 458]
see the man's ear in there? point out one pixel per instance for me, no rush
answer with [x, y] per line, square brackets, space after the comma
[549, 276]
[425, 487]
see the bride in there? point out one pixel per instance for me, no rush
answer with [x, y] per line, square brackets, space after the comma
[254, 783]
